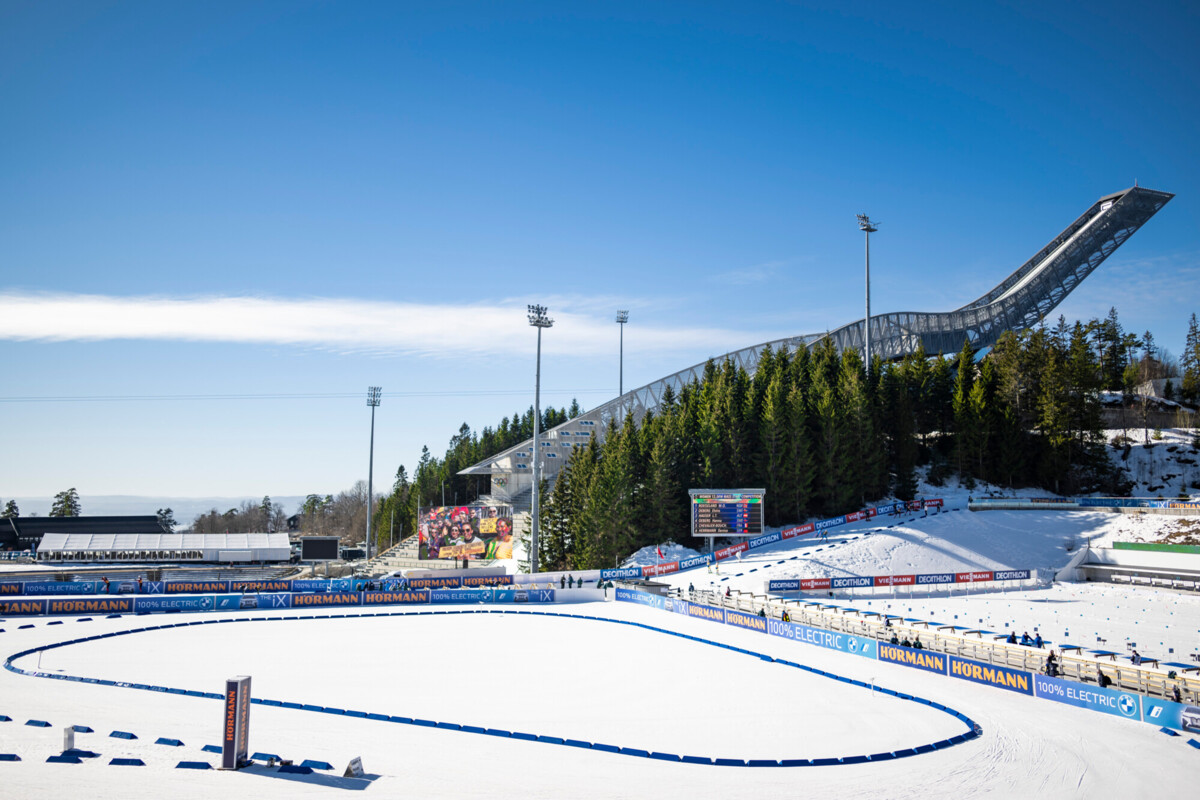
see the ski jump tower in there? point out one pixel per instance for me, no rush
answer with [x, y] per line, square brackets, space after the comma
[1020, 301]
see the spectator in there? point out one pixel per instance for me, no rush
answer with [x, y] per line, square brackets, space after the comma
[1025, 640]
[906, 642]
[786, 616]
[691, 588]
[887, 622]
[571, 582]
[917, 642]
[762, 611]
[1037, 641]
[562, 582]
[107, 588]
[727, 591]
[1104, 680]
[1176, 695]
[1136, 658]
[1012, 637]
[895, 639]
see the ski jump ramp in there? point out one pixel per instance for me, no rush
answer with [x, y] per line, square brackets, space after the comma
[1020, 301]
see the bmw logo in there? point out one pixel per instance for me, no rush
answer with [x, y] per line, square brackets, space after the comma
[1127, 705]
[853, 646]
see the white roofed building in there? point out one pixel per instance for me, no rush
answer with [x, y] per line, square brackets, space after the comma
[142, 547]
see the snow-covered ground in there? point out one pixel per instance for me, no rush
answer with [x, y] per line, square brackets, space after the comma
[573, 678]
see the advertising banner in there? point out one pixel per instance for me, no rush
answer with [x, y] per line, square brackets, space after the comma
[695, 561]
[326, 599]
[831, 640]
[829, 523]
[850, 581]
[459, 596]
[935, 502]
[620, 574]
[156, 604]
[895, 580]
[274, 600]
[487, 580]
[910, 657]
[394, 597]
[1171, 715]
[234, 602]
[235, 744]
[260, 586]
[309, 585]
[798, 530]
[197, 587]
[91, 605]
[941, 577]
[475, 532]
[1011, 575]
[733, 549]
[660, 569]
[1015, 680]
[706, 612]
[1108, 701]
[809, 584]
[765, 539]
[972, 577]
[434, 583]
[641, 598]
[741, 619]
[59, 587]
[21, 608]
[792, 585]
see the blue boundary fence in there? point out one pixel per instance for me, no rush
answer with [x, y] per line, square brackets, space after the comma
[972, 730]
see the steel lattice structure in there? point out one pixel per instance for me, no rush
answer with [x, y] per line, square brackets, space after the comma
[1020, 301]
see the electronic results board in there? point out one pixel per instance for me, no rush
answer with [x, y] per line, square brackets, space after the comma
[727, 512]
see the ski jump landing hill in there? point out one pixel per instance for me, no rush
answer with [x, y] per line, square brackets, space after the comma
[1020, 301]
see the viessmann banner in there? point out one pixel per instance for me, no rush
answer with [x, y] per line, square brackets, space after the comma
[859, 581]
[474, 532]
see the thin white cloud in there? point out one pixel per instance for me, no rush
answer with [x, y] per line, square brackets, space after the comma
[743, 276]
[340, 324]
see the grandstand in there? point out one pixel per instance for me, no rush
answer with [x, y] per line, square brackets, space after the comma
[1020, 301]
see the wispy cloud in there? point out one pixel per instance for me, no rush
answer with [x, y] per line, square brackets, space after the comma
[742, 276]
[582, 325]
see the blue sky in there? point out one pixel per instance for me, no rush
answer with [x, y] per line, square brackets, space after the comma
[278, 199]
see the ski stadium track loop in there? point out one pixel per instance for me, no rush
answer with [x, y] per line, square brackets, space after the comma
[973, 730]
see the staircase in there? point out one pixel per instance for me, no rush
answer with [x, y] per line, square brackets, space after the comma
[405, 556]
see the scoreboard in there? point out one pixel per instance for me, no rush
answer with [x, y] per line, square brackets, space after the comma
[727, 512]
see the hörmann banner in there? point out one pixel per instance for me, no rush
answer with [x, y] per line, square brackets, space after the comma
[91, 605]
[1015, 680]
[235, 739]
[911, 657]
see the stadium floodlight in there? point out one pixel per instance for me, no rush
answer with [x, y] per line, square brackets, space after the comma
[622, 318]
[867, 227]
[374, 393]
[539, 320]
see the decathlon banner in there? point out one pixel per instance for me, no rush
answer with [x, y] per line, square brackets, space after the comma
[784, 585]
[620, 574]
[846, 582]
[912, 657]
[831, 640]
[1015, 680]
[695, 561]
[1108, 701]
[934, 579]
[1012, 575]
[156, 604]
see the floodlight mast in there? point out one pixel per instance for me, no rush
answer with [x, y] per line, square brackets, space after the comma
[622, 318]
[867, 227]
[373, 395]
[539, 320]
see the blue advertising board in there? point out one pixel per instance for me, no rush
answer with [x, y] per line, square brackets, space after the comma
[196, 587]
[740, 619]
[1011, 575]
[765, 539]
[821, 524]
[326, 599]
[22, 608]
[785, 585]
[1014, 680]
[435, 583]
[941, 577]
[831, 640]
[912, 657]
[641, 598]
[695, 561]
[36, 588]
[1171, 715]
[1108, 701]
[156, 604]
[273, 600]
[90, 605]
[395, 597]
[848, 581]
[620, 574]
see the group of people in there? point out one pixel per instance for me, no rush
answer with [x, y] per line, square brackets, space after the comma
[1026, 641]
[568, 582]
[466, 532]
[915, 643]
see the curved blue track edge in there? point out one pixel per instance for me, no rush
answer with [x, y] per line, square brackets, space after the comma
[973, 731]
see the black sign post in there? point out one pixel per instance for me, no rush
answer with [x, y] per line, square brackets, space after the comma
[235, 738]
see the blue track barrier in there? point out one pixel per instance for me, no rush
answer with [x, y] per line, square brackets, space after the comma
[973, 730]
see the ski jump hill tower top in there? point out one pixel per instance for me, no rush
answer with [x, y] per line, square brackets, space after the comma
[1020, 301]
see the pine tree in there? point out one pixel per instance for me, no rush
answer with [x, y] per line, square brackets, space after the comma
[10, 510]
[966, 429]
[1189, 363]
[66, 504]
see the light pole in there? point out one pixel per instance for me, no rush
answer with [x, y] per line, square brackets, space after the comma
[539, 320]
[867, 227]
[373, 395]
[622, 318]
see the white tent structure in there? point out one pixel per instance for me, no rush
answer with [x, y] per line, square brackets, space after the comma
[142, 547]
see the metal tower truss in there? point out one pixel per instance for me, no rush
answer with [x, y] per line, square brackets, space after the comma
[1020, 301]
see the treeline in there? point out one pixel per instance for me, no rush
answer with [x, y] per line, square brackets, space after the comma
[825, 435]
[263, 517]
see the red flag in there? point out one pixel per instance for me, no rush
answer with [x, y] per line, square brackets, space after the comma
[660, 555]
